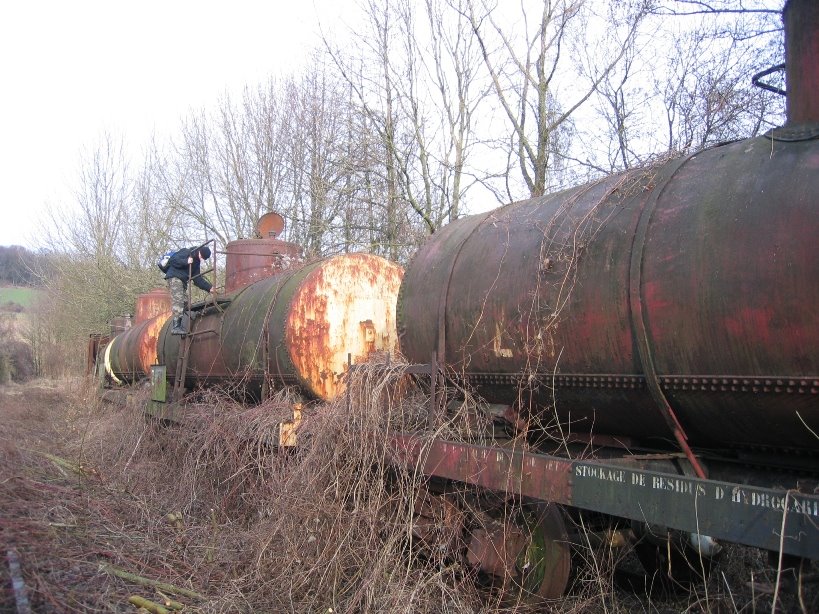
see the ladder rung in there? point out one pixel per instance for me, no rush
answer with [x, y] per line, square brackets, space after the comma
[181, 367]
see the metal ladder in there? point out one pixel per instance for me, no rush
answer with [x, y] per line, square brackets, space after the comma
[181, 365]
[185, 341]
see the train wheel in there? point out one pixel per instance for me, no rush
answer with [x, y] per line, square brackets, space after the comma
[525, 558]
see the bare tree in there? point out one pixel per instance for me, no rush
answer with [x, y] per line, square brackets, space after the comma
[212, 173]
[455, 95]
[619, 113]
[708, 103]
[320, 167]
[152, 224]
[99, 261]
[94, 223]
[415, 84]
[525, 71]
[685, 85]
[764, 8]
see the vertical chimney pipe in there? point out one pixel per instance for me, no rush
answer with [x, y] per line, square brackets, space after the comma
[801, 19]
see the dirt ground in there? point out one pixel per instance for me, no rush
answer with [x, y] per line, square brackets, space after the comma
[53, 514]
[63, 517]
[86, 499]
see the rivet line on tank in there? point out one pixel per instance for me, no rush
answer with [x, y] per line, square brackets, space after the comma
[695, 384]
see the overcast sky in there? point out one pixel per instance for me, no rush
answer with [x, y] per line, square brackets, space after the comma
[72, 70]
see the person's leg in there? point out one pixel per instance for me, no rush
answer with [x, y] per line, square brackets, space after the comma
[177, 288]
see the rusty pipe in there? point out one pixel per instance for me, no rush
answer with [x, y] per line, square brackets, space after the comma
[801, 19]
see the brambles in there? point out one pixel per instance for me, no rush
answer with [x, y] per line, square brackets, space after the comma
[325, 525]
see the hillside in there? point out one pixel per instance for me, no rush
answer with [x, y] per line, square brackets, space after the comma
[16, 356]
[12, 297]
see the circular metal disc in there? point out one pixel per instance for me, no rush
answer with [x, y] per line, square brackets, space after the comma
[545, 566]
[525, 557]
[344, 305]
[270, 225]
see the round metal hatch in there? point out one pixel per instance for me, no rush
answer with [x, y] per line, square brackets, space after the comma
[270, 225]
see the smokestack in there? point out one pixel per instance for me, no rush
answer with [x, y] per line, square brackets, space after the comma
[801, 18]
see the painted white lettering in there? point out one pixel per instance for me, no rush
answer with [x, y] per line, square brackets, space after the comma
[601, 473]
[738, 495]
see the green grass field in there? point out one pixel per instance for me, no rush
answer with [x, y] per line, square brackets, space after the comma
[20, 295]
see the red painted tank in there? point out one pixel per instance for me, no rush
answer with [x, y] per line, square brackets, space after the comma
[691, 286]
[703, 270]
[249, 260]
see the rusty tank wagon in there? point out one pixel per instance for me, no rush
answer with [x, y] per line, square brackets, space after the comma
[128, 357]
[293, 328]
[690, 286]
[676, 302]
[280, 322]
[653, 339]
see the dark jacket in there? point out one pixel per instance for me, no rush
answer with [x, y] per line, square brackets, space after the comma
[178, 267]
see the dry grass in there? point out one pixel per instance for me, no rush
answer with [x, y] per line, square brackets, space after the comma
[213, 507]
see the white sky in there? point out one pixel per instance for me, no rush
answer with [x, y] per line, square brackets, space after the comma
[73, 69]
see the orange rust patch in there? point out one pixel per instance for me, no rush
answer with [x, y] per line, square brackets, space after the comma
[346, 305]
[152, 304]
[148, 340]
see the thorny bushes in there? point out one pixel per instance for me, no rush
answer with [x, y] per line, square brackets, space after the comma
[212, 506]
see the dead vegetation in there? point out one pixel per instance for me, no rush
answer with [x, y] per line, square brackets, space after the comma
[101, 506]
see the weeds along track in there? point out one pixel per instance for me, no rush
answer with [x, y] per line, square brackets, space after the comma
[100, 505]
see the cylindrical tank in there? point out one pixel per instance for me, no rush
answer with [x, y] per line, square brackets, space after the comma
[249, 260]
[701, 273]
[294, 328]
[151, 304]
[128, 356]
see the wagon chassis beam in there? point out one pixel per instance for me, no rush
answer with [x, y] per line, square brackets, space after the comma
[767, 518]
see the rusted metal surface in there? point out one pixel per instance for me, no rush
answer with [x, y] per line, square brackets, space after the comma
[738, 513]
[525, 549]
[295, 328]
[501, 469]
[249, 260]
[775, 385]
[347, 304]
[181, 367]
[528, 554]
[270, 225]
[155, 303]
[438, 523]
[645, 349]
[538, 292]
[129, 355]
[801, 19]
[495, 550]
[96, 342]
